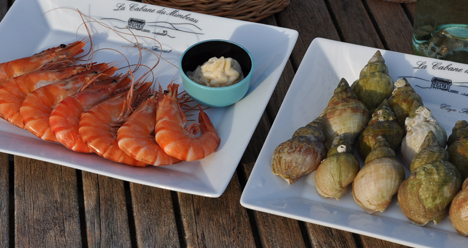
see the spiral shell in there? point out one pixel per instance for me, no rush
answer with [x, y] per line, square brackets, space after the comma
[432, 185]
[379, 179]
[430, 151]
[344, 115]
[418, 125]
[459, 210]
[383, 123]
[313, 131]
[301, 154]
[337, 170]
[458, 147]
[402, 100]
[374, 84]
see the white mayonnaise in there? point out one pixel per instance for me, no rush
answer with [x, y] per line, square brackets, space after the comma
[217, 72]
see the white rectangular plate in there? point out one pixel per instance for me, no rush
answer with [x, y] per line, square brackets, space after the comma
[36, 25]
[324, 64]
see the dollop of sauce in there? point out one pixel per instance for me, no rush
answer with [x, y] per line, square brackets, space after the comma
[217, 72]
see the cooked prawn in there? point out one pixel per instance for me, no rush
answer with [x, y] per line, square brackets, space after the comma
[136, 136]
[98, 127]
[177, 140]
[64, 119]
[14, 90]
[49, 56]
[38, 105]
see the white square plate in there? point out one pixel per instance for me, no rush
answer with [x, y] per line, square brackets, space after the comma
[39, 24]
[324, 64]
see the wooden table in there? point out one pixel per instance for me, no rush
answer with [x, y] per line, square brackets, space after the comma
[49, 205]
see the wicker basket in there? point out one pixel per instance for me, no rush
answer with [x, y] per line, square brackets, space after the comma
[401, 1]
[248, 10]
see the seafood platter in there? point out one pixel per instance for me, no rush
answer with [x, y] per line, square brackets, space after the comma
[370, 141]
[81, 78]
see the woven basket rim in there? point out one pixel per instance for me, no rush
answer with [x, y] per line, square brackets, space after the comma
[248, 10]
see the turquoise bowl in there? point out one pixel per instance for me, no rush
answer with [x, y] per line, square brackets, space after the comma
[201, 52]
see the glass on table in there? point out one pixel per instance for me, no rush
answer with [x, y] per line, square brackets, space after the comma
[441, 29]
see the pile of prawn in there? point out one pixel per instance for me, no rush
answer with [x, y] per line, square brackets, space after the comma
[90, 108]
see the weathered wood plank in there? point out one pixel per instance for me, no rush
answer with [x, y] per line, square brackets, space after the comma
[4, 201]
[105, 211]
[3, 8]
[4, 177]
[216, 222]
[155, 222]
[280, 91]
[46, 205]
[274, 231]
[277, 231]
[354, 23]
[311, 19]
[394, 25]
[277, 97]
[328, 237]
[411, 7]
[289, 233]
[373, 242]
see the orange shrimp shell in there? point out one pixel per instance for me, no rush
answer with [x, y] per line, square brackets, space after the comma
[177, 140]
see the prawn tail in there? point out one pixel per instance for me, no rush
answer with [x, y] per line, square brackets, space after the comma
[205, 123]
[210, 139]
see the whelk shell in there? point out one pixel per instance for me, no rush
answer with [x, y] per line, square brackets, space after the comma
[301, 154]
[434, 182]
[379, 179]
[418, 125]
[337, 170]
[383, 123]
[457, 147]
[374, 84]
[459, 210]
[430, 151]
[344, 115]
[402, 100]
